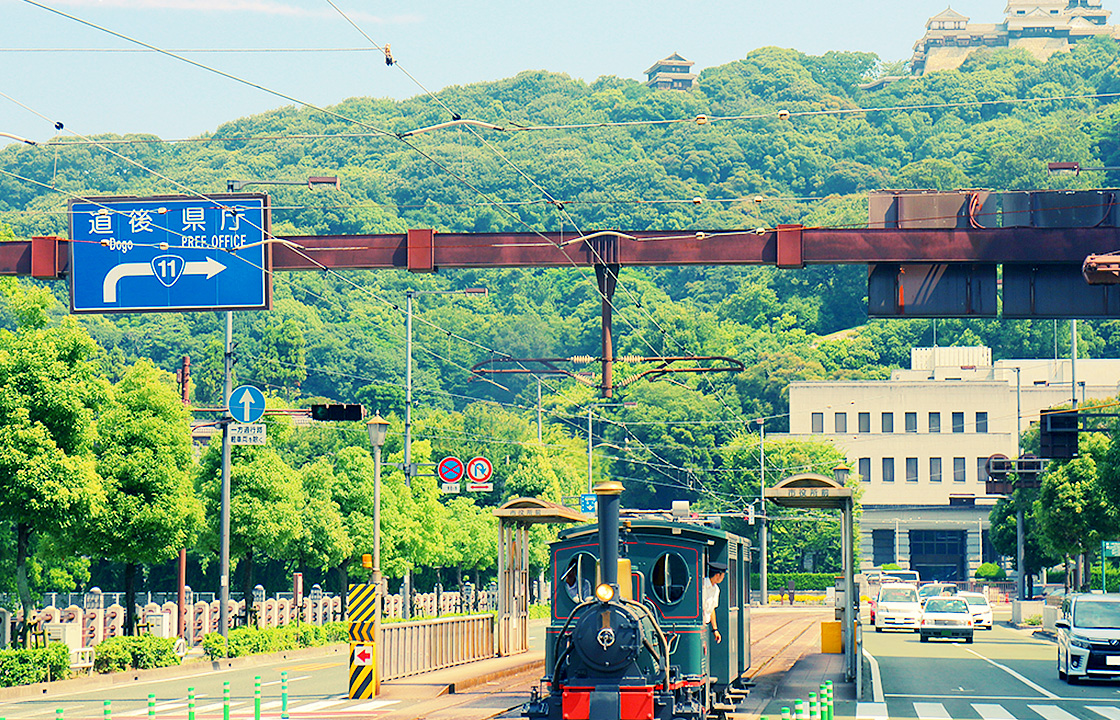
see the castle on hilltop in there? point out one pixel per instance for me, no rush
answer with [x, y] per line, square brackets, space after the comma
[1042, 27]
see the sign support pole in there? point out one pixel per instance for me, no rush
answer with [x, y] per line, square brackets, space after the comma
[223, 612]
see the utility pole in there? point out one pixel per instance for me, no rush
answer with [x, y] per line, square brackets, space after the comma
[1020, 515]
[762, 515]
[185, 394]
[223, 611]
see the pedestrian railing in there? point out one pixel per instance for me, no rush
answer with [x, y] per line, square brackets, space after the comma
[411, 648]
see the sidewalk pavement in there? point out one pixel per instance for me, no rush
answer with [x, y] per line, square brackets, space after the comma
[787, 663]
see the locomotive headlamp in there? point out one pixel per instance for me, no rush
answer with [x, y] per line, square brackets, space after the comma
[604, 592]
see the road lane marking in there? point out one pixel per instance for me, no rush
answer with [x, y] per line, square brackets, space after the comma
[317, 706]
[931, 711]
[375, 705]
[871, 711]
[293, 679]
[876, 677]
[1029, 683]
[1052, 712]
[156, 708]
[992, 712]
[216, 706]
[1109, 712]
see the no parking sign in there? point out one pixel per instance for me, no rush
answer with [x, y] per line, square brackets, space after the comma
[450, 471]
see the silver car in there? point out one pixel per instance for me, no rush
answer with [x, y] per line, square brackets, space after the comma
[1089, 637]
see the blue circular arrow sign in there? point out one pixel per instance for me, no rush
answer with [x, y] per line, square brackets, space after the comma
[246, 404]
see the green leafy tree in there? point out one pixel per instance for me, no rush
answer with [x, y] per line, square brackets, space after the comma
[50, 392]
[144, 461]
[266, 501]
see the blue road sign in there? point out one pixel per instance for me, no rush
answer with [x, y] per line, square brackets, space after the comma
[588, 503]
[246, 404]
[450, 469]
[169, 254]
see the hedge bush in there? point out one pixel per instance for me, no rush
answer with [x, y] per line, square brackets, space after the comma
[24, 667]
[137, 652]
[990, 571]
[254, 641]
[802, 581]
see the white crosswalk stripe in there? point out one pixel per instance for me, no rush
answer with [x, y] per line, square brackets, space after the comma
[156, 708]
[1111, 713]
[992, 712]
[373, 705]
[931, 711]
[1052, 712]
[216, 706]
[871, 711]
[321, 705]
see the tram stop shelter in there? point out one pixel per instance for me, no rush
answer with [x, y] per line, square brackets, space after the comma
[817, 492]
[515, 517]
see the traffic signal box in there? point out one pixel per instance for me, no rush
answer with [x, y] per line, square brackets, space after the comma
[1057, 434]
[1027, 468]
[337, 413]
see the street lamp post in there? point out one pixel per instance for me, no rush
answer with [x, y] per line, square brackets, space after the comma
[377, 428]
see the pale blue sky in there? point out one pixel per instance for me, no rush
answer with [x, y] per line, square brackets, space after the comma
[45, 62]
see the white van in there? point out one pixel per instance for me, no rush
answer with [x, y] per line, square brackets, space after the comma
[896, 606]
[1089, 637]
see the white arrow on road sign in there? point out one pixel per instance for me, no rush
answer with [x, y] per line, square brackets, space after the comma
[210, 267]
[246, 404]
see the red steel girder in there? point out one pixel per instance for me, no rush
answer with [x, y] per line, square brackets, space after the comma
[788, 246]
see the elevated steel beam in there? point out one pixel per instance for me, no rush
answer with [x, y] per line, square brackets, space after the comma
[789, 246]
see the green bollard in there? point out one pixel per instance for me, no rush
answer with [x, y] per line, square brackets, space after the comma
[284, 695]
[801, 710]
[786, 715]
[225, 700]
[151, 707]
[108, 713]
[257, 698]
[190, 703]
[831, 700]
[58, 714]
[814, 707]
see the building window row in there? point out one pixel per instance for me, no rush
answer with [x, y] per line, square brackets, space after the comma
[886, 422]
[912, 466]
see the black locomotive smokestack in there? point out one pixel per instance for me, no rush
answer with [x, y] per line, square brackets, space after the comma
[608, 500]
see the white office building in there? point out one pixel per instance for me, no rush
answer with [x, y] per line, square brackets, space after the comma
[920, 442]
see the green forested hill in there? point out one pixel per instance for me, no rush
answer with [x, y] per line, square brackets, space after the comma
[340, 336]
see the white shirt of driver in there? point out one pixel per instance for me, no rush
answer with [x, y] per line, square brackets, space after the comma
[710, 599]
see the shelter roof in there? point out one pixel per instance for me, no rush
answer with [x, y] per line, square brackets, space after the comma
[531, 510]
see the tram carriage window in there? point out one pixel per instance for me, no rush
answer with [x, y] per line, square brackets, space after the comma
[670, 578]
[579, 578]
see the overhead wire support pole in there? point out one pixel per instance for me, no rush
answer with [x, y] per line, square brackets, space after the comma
[223, 611]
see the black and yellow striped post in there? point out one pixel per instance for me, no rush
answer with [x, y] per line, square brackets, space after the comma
[361, 609]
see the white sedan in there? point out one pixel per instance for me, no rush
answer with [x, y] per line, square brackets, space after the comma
[946, 617]
[980, 609]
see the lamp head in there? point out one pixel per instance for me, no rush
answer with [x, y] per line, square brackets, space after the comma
[378, 428]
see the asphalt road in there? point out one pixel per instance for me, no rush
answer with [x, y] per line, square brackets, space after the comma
[1006, 674]
[317, 688]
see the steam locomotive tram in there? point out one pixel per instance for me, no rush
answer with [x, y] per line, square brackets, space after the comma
[627, 639]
